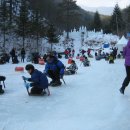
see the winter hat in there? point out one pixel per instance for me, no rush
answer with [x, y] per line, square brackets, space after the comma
[29, 67]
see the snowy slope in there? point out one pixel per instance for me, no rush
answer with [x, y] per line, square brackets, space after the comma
[89, 101]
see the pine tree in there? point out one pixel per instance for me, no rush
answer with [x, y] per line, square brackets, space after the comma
[23, 19]
[52, 36]
[97, 24]
[4, 20]
[37, 29]
[117, 20]
[68, 14]
[127, 19]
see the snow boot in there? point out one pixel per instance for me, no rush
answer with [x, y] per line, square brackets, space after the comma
[122, 89]
[56, 83]
[1, 90]
[51, 82]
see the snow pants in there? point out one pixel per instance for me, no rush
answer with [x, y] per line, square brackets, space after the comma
[127, 79]
[54, 75]
[36, 90]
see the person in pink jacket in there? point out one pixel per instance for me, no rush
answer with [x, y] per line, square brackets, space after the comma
[126, 53]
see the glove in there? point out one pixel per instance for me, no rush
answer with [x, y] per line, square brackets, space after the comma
[27, 85]
[24, 78]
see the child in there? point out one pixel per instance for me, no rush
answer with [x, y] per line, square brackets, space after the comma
[71, 69]
[54, 69]
[111, 59]
[39, 81]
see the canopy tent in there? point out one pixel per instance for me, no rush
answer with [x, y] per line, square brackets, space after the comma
[121, 44]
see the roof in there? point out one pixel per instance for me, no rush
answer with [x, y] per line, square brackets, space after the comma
[122, 41]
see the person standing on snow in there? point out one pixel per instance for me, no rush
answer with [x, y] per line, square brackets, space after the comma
[73, 53]
[22, 55]
[13, 53]
[126, 53]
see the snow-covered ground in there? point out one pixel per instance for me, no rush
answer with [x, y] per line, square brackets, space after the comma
[90, 101]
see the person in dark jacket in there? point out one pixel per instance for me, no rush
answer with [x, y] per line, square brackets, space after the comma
[126, 53]
[15, 60]
[39, 81]
[13, 53]
[115, 52]
[22, 55]
[55, 70]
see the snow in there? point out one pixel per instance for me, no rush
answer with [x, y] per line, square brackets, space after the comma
[92, 37]
[89, 101]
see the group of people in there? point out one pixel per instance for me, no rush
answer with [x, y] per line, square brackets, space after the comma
[107, 56]
[5, 57]
[15, 57]
[82, 52]
[69, 53]
[54, 69]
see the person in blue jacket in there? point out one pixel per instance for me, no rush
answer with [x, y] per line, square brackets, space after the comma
[55, 70]
[38, 80]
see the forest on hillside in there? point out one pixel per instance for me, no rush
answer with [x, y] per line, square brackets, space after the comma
[45, 18]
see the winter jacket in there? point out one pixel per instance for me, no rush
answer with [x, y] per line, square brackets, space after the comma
[12, 53]
[54, 66]
[111, 58]
[86, 62]
[38, 79]
[22, 52]
[126, 53]
[73, 67]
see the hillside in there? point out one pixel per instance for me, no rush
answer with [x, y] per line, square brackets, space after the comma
[48, 6]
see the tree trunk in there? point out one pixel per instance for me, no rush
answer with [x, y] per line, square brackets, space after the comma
[23, 35]
[4, 35]
[51, 46]
[4, 38]
[67, 19]
[11, 11]
[37, 42]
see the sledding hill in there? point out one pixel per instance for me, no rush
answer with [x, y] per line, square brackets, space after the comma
[89, 101]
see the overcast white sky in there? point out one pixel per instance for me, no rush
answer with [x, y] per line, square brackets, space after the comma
[103, 3]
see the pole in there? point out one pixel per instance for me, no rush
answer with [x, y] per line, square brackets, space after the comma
[26, 88]
[117, 28]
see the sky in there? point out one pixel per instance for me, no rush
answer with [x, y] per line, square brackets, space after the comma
[103, 3]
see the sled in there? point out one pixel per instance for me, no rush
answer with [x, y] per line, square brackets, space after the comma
[42, 94]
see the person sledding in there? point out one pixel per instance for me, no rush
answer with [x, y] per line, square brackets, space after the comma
[54, 69]
[85, 61]
[38, 81]
[2, 79]
[72, 69]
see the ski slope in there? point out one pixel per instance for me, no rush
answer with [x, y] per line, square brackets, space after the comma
[89, 101]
